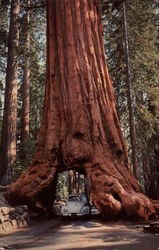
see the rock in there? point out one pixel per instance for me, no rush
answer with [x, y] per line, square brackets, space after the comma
[12, 218]
[12, 210]
[5, 210]
[4, 218]
[24, 222]
[25, 215]
[15, 224]
[26, 218]
[12, 213]
[17, 216]
[3, 188]
[20, 223]
[19, 210]
[7, 226]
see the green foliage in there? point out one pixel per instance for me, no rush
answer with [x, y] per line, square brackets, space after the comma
[62, 188]
[36, 52]
[143, 27]
[23, 161]
[115, 55]
[63, 182]
[36, 94]
[3, 52]
[145, 71]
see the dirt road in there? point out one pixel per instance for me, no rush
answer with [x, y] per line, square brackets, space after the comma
[77, 234]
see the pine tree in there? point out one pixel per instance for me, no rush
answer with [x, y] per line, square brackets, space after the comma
[8, 141]
[142, 23]
[26, 81]
[3, 53]
[36, 57]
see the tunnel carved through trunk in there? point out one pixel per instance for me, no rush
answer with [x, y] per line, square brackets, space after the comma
[80, 127]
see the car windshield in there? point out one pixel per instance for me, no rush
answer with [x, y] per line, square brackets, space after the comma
[75, 198]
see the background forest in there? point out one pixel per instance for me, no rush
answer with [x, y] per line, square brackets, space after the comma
[131, 35]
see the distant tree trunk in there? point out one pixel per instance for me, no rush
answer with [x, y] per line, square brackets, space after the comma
[74, 182]
[145, 171]
[153, 187]
[70, 176]
[26, 82]
[156, 166]
[78, 183]
[86, 187]
[150, 163]
[8, 141]
[130, 99]
[80, 129]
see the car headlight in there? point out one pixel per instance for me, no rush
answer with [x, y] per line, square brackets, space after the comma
[85, 210]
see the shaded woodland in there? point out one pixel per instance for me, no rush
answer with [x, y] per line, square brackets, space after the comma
[130, 32]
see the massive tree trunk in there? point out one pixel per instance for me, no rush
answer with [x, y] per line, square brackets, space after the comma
[80, 129]
[8, 141]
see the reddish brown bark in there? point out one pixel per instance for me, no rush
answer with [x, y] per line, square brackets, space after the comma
[80, 128]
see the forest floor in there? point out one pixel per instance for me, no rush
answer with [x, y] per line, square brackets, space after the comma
[56, 234]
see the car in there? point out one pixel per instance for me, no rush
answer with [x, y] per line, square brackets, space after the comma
[76, 205]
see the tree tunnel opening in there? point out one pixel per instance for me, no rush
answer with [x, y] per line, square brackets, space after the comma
[73, 185]
[70, 182]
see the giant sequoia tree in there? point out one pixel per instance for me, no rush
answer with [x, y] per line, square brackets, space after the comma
[80, 128]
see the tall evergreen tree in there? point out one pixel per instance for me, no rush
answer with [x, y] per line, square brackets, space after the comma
[35, 54]
[142, 22]
[130, 95]
[8, 141]
[3, 52]
[26, 81]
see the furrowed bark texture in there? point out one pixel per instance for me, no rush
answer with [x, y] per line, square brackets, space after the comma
[80, 128]
[8, 139]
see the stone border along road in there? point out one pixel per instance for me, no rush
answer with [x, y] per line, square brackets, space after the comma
[27, 235]
[12, 218]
